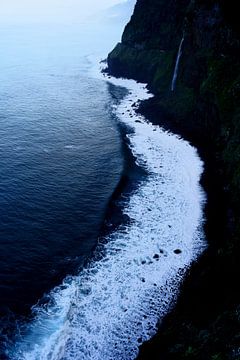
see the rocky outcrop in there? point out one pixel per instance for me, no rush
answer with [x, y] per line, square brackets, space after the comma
[204, 107]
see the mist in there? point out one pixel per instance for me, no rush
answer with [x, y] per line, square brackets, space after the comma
[52, 11]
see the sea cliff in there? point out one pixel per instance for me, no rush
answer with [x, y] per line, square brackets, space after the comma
[202, 105]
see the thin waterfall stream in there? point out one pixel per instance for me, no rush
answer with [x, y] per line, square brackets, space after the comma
[175, 74]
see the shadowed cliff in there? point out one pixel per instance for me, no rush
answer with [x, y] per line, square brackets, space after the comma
[204, 107]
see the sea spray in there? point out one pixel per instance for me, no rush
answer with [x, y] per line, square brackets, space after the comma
[115, 304]
[175, 74]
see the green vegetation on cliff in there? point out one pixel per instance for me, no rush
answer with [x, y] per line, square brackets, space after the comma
[204, 108]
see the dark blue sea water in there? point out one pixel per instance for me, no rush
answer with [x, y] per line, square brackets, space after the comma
[60, 156]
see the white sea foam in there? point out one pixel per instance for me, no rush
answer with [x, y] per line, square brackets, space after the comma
[115, 304]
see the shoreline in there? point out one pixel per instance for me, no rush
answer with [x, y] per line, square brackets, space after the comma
[150, 348]
[144, 349]
[215, 229]
[215, 215]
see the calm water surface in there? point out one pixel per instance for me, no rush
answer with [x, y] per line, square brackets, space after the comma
[60, 155]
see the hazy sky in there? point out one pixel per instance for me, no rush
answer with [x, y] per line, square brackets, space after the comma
[21, 11]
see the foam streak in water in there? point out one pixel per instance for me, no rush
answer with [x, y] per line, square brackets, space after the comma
[115, 304]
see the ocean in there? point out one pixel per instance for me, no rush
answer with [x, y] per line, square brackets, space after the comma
[101, 212]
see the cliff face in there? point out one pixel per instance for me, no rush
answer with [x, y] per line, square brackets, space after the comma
[204, 107]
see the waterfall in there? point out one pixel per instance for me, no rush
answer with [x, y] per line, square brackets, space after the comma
[177, 65]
